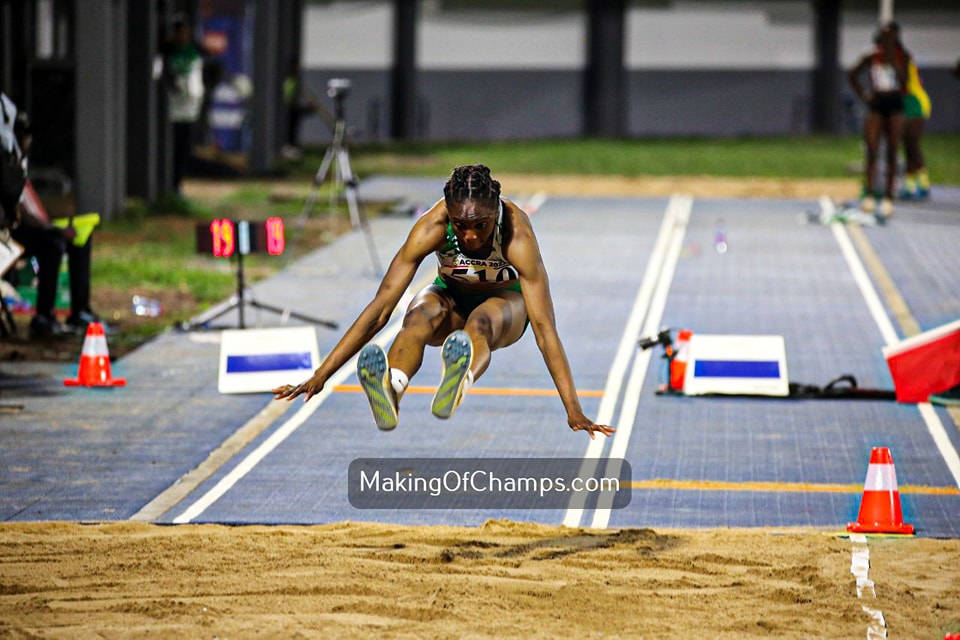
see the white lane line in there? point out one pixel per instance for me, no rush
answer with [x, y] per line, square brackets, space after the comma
[536, 201]
[942, 440]
[186, 484]
[631, 397]
[929, 415]
[625, 351]
[869, 294]
[291, 425]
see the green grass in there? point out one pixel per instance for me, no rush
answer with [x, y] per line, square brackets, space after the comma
[786, 157]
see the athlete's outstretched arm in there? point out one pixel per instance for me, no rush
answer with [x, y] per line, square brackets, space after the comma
[423, 239]
[524, 254]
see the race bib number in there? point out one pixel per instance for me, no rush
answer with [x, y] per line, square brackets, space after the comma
[480, 272]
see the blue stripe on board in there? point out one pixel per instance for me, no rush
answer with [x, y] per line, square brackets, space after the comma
[252, 363]
[736, 369]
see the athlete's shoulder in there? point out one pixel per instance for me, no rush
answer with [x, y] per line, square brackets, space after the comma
[515, 218]
[519, 238]
[436, 215]
[429, 232]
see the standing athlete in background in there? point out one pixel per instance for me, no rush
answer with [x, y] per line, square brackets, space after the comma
[916, 112]
[491, 284]
[886, 69]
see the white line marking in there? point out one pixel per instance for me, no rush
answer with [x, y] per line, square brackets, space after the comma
[870, 295]
[929, 415]
[631, 397]
[536, 201]
[625, 351]
[291, 425]
[188, 483]
[860, 568]
[942, 440]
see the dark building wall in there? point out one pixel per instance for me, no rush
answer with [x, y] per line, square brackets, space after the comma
[499, 105]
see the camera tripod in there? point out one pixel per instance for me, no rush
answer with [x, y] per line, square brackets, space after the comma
[239, 301]
[337, 156]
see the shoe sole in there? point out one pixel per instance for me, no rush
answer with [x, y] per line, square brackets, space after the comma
[456, 354]
[374, 375]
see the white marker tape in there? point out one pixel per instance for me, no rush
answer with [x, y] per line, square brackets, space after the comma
[860, 568]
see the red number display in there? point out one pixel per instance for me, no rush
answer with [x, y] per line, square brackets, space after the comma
[224, 238]
[275, 240]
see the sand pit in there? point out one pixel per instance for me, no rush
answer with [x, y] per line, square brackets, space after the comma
[502, 579]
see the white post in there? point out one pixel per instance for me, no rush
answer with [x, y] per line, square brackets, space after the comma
[886, 11]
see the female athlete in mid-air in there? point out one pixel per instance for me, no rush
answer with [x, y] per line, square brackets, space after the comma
[491, 284]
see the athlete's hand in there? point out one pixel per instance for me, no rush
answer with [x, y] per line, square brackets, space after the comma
[582, 423]
[308, 389]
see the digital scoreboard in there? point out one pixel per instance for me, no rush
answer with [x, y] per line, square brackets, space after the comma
[224, 238]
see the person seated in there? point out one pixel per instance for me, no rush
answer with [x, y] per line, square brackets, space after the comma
[48, 243]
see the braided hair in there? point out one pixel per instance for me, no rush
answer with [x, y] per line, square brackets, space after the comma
[471, 182]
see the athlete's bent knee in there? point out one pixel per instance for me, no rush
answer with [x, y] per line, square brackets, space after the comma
[425, 316]
[480, 324]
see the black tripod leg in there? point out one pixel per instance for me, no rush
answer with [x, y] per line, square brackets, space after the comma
[318, 180]
[203, 320]
[355, 204]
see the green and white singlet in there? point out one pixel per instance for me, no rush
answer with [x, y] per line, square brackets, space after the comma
[490, 273]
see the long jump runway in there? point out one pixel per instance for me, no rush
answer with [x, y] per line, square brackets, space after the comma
[169, 448]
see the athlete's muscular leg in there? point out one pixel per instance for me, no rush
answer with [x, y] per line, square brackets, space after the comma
[428, 320]
[912, 132]
[894, 134]
[872, 127]
[496, 323]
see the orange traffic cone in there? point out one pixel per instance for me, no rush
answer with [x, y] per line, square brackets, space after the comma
[880, 507]
[678, 365]
[94, 362]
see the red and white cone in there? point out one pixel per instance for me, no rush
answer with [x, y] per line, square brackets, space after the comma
[94, 362]
[880, 507]
[678, 365]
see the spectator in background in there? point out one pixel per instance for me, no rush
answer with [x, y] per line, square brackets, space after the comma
[296, 108]
[299, 101]
[42, 241]
[12, 173]
[48, 243]
[183, 77]
[886, 69]
[916, 112]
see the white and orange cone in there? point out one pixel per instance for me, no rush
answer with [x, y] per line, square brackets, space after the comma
[880, 507]
[94, 362]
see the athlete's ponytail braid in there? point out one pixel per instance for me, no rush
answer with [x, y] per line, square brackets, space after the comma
[471, 182]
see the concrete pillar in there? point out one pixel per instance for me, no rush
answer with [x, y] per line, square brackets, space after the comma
[144, 127]
[101, 117]
[269, 69]
[604, 83]
[291, 36]
[403, 81]
[825, 113]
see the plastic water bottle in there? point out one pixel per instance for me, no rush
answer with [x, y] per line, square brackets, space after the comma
[146, 307]
[720, 238]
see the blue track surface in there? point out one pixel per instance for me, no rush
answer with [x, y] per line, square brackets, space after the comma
[77, 454]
